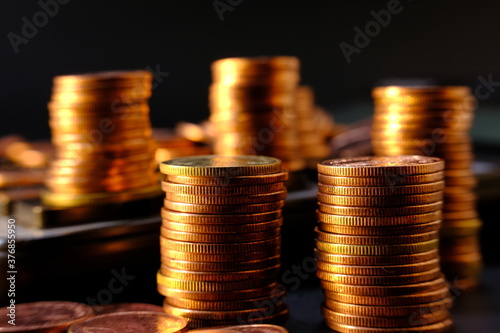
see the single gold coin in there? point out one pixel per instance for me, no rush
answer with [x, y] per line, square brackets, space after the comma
[212, 286]
[223, 209]
[389, 179]
[224, 315]
[251, 318]
[276, 296]
[377, 250]
[227, 200]
[389, 322]
[200, 219]
[381, 230]
[221, 190]
[375, 240]
[256, 254]
[220, 266]
[411, 299]
[390, 311]
[219, 248]
[364, 260]
[378, 270]
[256, 274]
[439, 327]
[228, 229]
[384, 291]
[381, 201]
[382, 280]
[233, 295]
[221, 166]
[376, 221]
[230, 181]
[373, 166]
[381, 190]
[219, 238]
[380, 211]
[394, 92]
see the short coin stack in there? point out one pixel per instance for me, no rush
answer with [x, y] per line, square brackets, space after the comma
[315, 128]
[252, 108]
[221, 238]
[435, 121]
[377, 244]
[101, 129]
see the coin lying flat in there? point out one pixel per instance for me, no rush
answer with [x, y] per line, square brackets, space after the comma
[132, 322]
[125, 307]
[255, 328]
[221, 166]
[52, 316]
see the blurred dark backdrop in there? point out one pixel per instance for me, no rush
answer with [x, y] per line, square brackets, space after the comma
[454, 42]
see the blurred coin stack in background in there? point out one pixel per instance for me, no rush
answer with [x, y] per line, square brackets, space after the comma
[315, 127]
[102, 133]
[220, 239]
[252, 107]
[377, 244]
[435, 121]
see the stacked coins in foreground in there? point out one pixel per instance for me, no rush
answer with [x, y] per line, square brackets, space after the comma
[435, 121]
[102, 133]
[252, 108]
[220, 239]
[377, 244]
[315, 128]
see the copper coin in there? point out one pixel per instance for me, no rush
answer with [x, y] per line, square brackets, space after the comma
[132, 322]
[253, 328]
[46, 317]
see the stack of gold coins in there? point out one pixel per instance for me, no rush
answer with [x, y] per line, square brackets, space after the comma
[101, 129]
[435, 121]
[315, 128]
[220, 239]
[252, 108]
[377, 244]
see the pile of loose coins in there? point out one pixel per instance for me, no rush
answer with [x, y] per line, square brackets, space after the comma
[377, 244]
[102, 133]
[252, 108]
[435, 121]
[220, 239]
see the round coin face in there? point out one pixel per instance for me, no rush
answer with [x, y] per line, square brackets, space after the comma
[41, 316]
[255, 328]
[376, 166]
[132, 322]
[221, 166]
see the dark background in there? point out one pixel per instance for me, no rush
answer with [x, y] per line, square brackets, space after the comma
[453, 42]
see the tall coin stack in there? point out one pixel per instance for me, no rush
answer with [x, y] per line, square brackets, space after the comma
[252, 108]
[101, 129]
[220, 239]
[377, 244]
[315, 127]
[435, 121]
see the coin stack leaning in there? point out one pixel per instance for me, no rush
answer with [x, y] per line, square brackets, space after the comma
[315, 128]
[221, 238]
[102, 133]
[435, 121]
[377, 244]
[252, 108]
